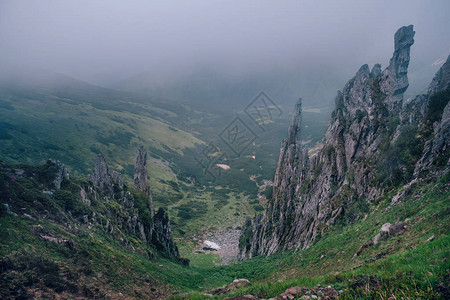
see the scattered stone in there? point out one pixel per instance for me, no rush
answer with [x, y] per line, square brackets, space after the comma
[38, 230]
[235, 285]
[363, 247]
[67, 243]
[318, 292]
[398, 228]
[243, 297]
[386, 231]
[28, 216]
[431, 238]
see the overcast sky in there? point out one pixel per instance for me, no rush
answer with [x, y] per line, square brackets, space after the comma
[103, 41]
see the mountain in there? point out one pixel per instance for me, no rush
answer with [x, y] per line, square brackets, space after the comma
[374, 144]
[364, 213]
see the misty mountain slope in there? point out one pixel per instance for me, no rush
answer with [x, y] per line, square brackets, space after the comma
[372, 146]
[225, 94]
[47, 115]
[57, 113]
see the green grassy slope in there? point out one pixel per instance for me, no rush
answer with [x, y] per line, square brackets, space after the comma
[36, 128]
[95, 263]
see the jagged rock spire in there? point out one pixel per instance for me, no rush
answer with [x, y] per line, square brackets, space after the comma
[395, 77]
[164, 233]
[60, 173]
[294, 129]
[101, 176]
[141, 175]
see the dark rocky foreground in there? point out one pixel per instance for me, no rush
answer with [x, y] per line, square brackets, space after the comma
[295, 292]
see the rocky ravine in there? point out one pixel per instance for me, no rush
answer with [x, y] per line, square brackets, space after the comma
[358, 159]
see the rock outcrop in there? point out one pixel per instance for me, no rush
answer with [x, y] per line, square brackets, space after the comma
[101, 176]
[438, 147]
[61, 173]
[359, 157]
[143, 223]
[386, 231]
[394, 80]
[141, 175]
[163, 233]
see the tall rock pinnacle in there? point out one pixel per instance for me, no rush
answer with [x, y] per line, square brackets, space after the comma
[395, 78]
[141, 176]
[294, 129]
[101, 176]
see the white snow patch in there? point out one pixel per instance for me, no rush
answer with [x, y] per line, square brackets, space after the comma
[223, 166]
[211, 245]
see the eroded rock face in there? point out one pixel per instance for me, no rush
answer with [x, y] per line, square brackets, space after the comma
[60, 173]
[441, 80]
[439, 145]
[395, 78]
[311, 193]
[101, 176]
[163, 232]
[141, 175]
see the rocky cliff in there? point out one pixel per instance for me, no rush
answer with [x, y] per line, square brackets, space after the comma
[372, 144]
